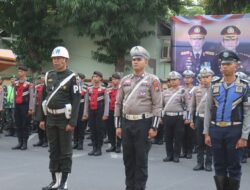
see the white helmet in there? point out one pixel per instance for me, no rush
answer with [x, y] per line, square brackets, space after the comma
[60, 52]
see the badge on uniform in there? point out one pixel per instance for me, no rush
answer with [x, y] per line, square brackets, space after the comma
[156, 85]
[216, 89]
[239, 89]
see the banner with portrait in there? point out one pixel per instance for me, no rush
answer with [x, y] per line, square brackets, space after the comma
[196, 41]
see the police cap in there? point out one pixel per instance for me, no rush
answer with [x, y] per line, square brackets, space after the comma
[23, 68]
[228, 56]
[174, 75]
[206, 72]
[230, 32]
[98, 73]
[188, 73]
[197, 31]
[139, 51]
[116, 76]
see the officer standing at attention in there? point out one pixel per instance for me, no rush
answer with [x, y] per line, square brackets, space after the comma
[96, 111]
[188, 136]
[24, 107]
[197, 110]
[60, 101]
[227, 122]
[137, 115]
[175, 102]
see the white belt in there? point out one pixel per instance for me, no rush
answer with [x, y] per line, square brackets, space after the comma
[200, 114]
[56, 111]
[173, 113]
[25, 93]
[225, 124]
[82, 100]
[138, 117]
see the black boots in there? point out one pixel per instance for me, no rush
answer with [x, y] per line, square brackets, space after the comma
[198, 167]
[54, 184]
[39, 143]
[111, 149]
[24, 145]
[98, 151]
[80, 145]
[92, 152]
[233, 184]
[19, 145]
[225, 183]
[63, 183]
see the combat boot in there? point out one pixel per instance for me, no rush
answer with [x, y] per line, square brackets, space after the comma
[80, 145]
[111, 149]
[19, 145]
[98, 152]
[24, 145]
[63, 184]
[199, 166]
[39, 143]
[55, 182]
[220, 182]
[118, 149]
[233, 184]
[93, 151]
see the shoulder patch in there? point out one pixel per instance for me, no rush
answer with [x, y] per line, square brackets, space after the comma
[185, 52]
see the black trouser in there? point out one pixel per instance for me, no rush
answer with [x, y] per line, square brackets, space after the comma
[96, 125]
[136, 146]
[41, 133]
[60, 143]
[188, 139]
[115, 141]
[79, 131]
[174, 129]
[22, 121]
[202, 148]
[160, 133]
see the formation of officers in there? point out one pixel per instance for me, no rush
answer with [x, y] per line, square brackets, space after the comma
[211, 119]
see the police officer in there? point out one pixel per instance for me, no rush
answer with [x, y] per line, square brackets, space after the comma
[24, 107]
[112, 91]
[227, 122]
[2, 93]
[96, 111]
[197, 57]
[60, 100]
[81, 124]
[137, 115]
[188, 136]
[175, 102]
[42, 138]
[197, 110]
[10, 106]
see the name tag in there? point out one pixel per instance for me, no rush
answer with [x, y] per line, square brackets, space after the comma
[239, 89]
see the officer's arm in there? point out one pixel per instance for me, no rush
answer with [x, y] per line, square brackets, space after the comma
[156, 95]
[41, 115]
[106, 104]
[31, 100]
[208, 109]
[246, 114]
[86, 105]
[75, 101]
[192, 107]
[118, 105]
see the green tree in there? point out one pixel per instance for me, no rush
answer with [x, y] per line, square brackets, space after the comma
[114, 25]
[34, 23]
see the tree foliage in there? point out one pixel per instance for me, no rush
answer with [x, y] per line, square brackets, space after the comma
[114, 25]
[35, 25]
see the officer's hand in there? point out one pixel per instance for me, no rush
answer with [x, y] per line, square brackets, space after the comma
[104, 118]
[30, 112]
[118, 132]
[241, 143]
[208, 140]
[85, 117]
[69, 128]
[42, 125]
[186, 121]
[192, 125]
[152, 133]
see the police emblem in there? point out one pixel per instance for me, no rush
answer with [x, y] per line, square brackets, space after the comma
[225, 54]
[197, 30]
[239, 89]
[216, 89]
[230, 30]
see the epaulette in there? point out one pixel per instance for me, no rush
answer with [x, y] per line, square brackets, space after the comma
[244, 81]
[185, 52]
[216, 80]
[209, 53]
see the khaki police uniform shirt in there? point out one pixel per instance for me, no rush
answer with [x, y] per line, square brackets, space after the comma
[146, 99]
[198, 100]
[189, 91]
[175, 99]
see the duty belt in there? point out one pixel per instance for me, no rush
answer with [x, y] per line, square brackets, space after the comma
[174, 113]
[56, 111]
[138, 117]
[225, 124]
[200, 114]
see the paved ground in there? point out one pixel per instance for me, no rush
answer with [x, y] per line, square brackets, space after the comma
[28, 170]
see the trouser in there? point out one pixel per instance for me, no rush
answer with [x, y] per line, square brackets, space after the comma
[96, 125]
[41, 133]
[188, 139]
[174, 129]
[115, 141]
[79, 131]
[160, 132]
[226, 157]
[22, 121]
[10, 117]
[202, 148]
[60, 143]
[136, 146]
